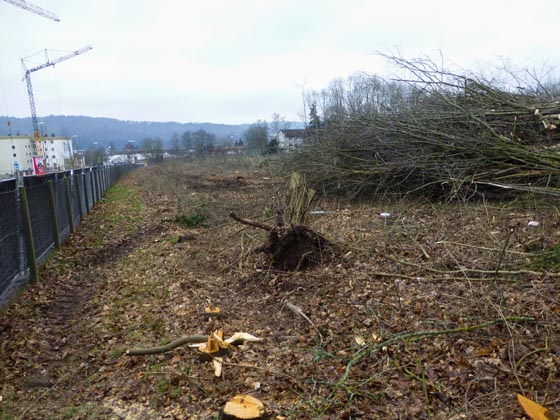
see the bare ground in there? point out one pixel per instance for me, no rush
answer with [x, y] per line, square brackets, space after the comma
[443, 312]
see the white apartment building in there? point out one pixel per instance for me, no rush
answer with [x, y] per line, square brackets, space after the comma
[16, 153]
[56, 152]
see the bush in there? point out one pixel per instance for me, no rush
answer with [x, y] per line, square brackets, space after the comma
[191, 221]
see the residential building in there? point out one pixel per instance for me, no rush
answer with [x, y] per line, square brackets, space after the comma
[16, 153]
[290, 139]
[57, 152]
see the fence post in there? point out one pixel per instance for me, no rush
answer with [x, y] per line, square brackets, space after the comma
[53, 214]
[93, 189]
[28, 231]
[86, 198]
[104, 188]
[102, 180]
[69, 203]
[77, 183]
[98, 183]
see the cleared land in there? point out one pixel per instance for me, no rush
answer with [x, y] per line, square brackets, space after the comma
[442, 312]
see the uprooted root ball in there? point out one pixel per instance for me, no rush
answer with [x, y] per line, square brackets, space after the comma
[295, 248]
[291, 248]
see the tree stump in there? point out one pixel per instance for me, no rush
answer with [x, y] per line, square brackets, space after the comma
[244, 407]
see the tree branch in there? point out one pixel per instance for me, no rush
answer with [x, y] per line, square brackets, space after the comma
[191, 339]
[250, 222]
[418, 335]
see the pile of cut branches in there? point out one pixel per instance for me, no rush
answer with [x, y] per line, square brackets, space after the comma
[452, 137]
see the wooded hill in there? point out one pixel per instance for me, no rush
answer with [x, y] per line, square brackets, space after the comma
[105, 131]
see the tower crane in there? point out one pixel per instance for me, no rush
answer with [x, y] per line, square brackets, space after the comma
[34, 9]
[27, 77]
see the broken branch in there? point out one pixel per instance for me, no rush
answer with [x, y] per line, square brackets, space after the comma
[251, 222]
[191, 339]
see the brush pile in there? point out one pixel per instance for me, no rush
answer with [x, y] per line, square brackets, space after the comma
[448, 137]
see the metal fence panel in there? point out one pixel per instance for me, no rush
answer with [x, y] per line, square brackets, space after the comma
[10, 239]
[74, 198]
[89, 190]
[14, 266]
[95, 185]
[83, 194]
[61, 209]
[41, 219]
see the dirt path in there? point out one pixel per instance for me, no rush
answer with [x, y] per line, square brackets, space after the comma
[49, 350]
[398, 326]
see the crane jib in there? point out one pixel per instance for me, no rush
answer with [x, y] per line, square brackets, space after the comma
[34, 9]
[27, 77]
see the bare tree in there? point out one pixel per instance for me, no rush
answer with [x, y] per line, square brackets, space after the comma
[256, 137]
[175, 145]
[278, 123]
[203, 141]
[153, 148]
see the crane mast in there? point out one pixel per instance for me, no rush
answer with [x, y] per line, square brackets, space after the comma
[27, 77]
[34, 9]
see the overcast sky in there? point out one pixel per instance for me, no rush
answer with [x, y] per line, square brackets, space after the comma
[227, 61]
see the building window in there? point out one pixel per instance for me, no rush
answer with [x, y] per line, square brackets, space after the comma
[14, 155]
[54, 157]
[13, 147]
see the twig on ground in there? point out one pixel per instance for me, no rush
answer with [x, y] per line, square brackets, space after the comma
[446, 278]
[526, 355]
[299, 312]
[468, 270]
[302, 260]
[503, 251]
[415, 336]
[272, 372]
[484, 248]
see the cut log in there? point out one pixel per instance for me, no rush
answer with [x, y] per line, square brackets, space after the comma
[244, 407]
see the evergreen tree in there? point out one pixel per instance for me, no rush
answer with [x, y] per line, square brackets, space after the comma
[314, 118]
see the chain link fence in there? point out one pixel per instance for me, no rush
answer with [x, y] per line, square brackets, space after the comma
[38, 213]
